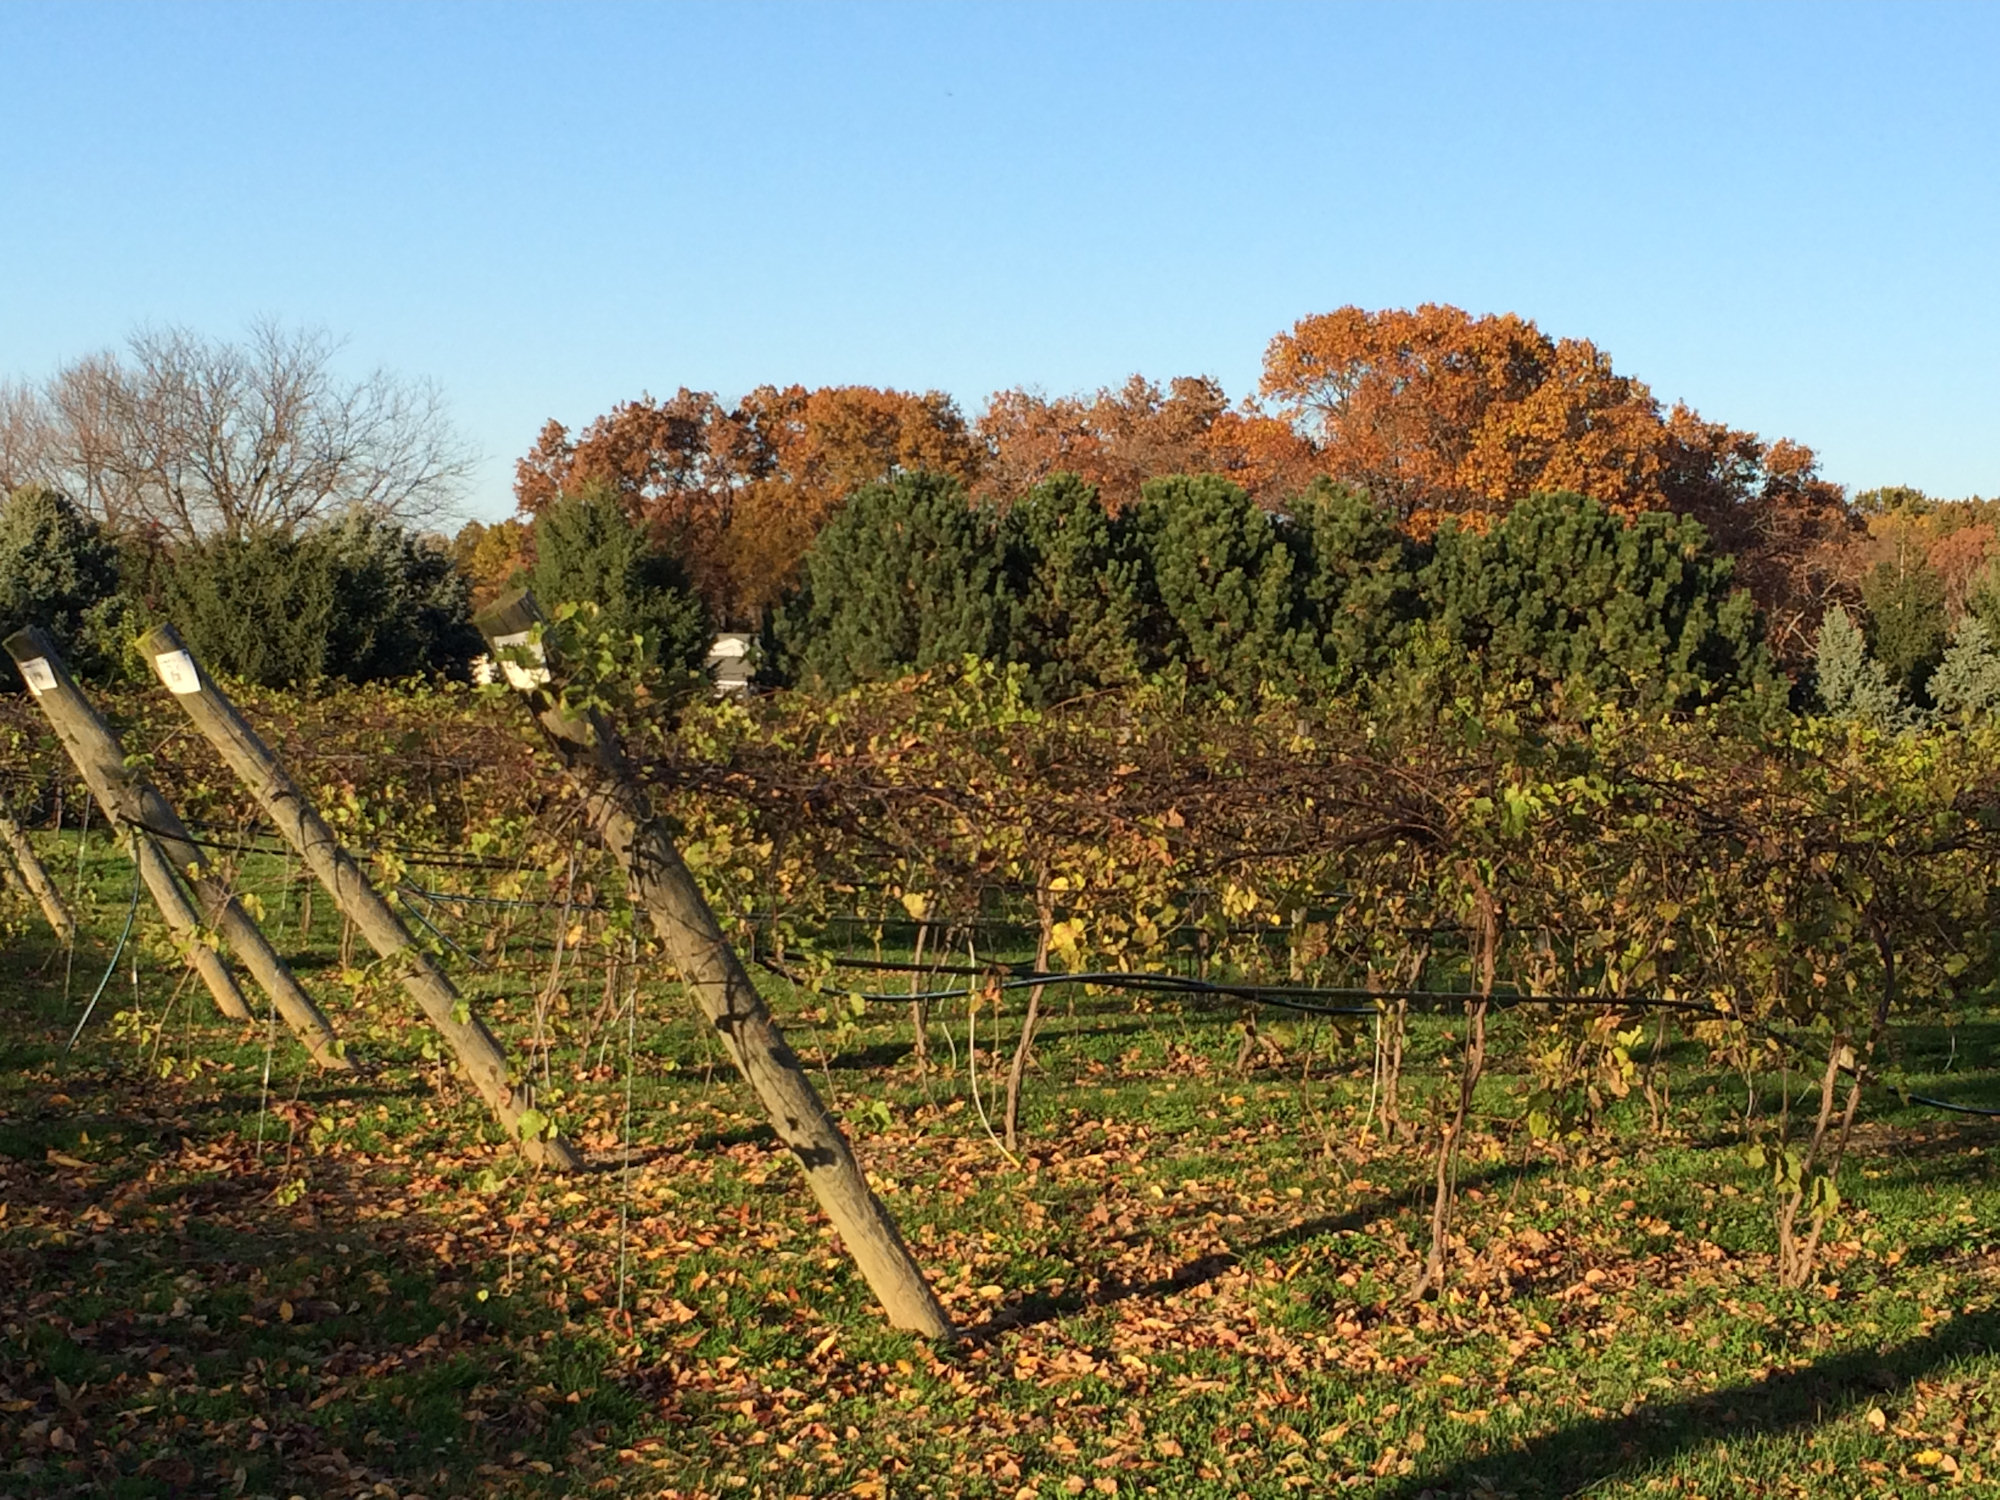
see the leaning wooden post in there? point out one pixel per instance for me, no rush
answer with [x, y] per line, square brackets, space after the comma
[478, 1053]
[127, 797]
[619, 812]
[37, 879]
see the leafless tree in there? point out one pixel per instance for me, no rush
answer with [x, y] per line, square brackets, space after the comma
[199, 437]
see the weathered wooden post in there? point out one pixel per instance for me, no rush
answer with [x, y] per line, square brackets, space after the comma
[477, 1051]
[29, 867]
[618, 811]
[127, 797]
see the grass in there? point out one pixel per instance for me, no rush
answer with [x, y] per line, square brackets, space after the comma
[1192, 1282]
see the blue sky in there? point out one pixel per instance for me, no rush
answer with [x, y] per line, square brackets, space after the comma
[1787, 215]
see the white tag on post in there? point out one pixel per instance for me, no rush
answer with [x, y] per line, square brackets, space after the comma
[38, 674]
[177, 671]
[522, 678]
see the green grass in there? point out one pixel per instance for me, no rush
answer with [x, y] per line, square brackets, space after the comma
[1191, 1283]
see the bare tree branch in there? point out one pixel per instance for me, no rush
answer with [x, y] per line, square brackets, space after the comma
[195, 437]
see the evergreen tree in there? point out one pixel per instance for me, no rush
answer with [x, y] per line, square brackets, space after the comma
[1850, 683]
[588, 550]
[56, 567]
[1225, 580]
[360, 599]
[907, 575]
[1081, 583]
[1966, 685]
[1357, 584]
[1907, 629]
[1563, 592]
[258, 607]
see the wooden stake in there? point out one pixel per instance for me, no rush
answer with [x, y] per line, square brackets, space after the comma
[622, 818]
[37, 879]
[479, 1054]
[127, 797]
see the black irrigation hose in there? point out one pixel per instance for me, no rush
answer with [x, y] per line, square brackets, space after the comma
[1022, 976]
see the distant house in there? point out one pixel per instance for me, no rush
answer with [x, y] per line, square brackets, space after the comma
[729, 663]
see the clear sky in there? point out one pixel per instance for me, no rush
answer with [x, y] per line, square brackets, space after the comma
[1787, 215]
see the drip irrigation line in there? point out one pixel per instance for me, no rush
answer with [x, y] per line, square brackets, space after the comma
[1023, 975]
[131, 912]
[1292, 998]
[1957, 1109]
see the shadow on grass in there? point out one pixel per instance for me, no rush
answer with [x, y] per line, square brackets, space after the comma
[1036, 1310]
[1582, 1456]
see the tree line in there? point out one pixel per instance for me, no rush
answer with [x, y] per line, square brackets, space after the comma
[277, 513]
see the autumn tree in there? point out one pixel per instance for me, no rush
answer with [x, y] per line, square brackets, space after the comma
[1120, 438]
[1766, 505]
[491, 556]
[739, 492]
[1438, 413]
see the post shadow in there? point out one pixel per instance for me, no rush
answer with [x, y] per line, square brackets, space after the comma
[1580, 1457]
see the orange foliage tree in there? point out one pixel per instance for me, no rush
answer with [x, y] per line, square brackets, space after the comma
[1437, 413]
[1119, 439]
[1443, 415]
[740, 492]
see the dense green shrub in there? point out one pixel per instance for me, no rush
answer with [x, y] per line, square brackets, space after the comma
[360, 599]
[907, 575]
[1357, 585]
[1564, 593]
[587, 550]
[1225, 579]
[1083, 591]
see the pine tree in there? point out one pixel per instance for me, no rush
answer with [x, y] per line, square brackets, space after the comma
[1357, 584]
[56, 566]
[907, 575]
[1081, 582]
[359, 598]
[1229, 601]
[1966, 685]
[1907, 630]
[1850, 683]
[587, 550]
[1563, 592]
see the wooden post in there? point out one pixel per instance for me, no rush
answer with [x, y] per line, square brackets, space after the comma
[127, 797]
[619, 812]
[37, 879]
[478, 1053]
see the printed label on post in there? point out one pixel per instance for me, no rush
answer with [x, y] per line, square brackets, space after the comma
[38, 674]
[177, 671]
[522, 678]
